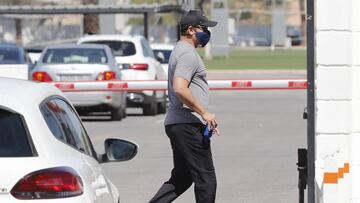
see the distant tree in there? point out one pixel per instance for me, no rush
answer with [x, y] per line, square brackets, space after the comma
[91, 21]
[18, 21]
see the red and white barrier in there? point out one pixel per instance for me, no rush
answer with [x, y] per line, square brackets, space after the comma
[285, 84]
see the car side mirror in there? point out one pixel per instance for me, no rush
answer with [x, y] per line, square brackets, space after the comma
[117, 150]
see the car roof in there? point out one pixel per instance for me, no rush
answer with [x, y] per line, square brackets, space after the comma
[162, 46]
[110, 37]
[18, 94]
[9, 45]
[77, 46]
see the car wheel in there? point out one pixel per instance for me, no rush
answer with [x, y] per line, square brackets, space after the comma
[82, 113]
[162, 105]
[116, 114]
[150, 109]
[124, 113]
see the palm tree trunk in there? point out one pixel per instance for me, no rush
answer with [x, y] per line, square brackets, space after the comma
[18, 28]
[91, 21]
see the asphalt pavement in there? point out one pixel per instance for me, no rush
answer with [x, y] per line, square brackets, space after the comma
[255, 156]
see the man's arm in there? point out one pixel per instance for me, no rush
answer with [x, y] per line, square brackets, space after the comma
[182, 90]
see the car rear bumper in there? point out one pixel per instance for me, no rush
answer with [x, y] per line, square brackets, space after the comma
[96, 98]
[137, 99]
[78, 199]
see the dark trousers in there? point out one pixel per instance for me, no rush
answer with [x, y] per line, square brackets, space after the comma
[192, 163]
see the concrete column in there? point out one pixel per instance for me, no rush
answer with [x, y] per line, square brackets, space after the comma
[337, 101]
[107, 21]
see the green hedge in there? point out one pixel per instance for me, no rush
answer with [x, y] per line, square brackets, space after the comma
[259, 59]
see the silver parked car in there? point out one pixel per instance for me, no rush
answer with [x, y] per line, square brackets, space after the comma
[86, 62]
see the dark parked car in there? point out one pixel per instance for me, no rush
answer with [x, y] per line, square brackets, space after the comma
[14, 62]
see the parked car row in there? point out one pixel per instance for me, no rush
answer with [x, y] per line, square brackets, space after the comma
[96, 58]
[137, 61]
[40, 128]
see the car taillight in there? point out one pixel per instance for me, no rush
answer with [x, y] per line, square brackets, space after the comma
[41, 76]
[107, 75]
[59, 182]
[139, 66]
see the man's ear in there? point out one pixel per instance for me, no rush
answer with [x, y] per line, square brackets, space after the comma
[191, 30]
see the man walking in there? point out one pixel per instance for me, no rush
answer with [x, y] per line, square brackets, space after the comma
[187, 115]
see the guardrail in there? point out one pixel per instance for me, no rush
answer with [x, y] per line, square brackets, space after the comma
[243, 84]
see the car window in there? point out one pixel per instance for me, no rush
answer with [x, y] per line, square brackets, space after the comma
[119, 48]
[75, 55]
[147, 49]
[165, 53]
[14, 139]
[53, 120]
[10, 56]
[65, 124]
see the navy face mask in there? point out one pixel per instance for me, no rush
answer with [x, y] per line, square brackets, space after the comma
[203, 37]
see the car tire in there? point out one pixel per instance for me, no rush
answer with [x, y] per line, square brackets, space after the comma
[150, 109]
[124, 114]
[82, 113]
[117, 113]
[161, 106]
[124, 105]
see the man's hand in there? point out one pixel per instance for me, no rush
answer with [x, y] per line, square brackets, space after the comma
[210, 118]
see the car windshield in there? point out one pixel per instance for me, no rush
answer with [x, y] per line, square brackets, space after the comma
[119, 48]
[10, 56]
[75, 55]
[165, 53]
[13, 136]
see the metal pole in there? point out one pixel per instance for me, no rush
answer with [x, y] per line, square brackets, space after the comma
[301, 196]
[310, 101]
[146, 26]
[302, 169]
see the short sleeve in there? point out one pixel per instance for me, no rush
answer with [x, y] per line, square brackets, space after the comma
[186, 65]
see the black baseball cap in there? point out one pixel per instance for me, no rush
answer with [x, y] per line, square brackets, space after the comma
[195, 17]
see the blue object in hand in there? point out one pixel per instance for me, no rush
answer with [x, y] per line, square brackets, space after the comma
[207, 132]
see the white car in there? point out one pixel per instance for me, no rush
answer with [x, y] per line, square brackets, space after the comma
[137, 62]
[163, 52]
[46, 154]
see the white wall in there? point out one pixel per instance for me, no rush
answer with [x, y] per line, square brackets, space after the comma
[337, 34]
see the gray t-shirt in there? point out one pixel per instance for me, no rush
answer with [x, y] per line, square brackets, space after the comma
[186, 63]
